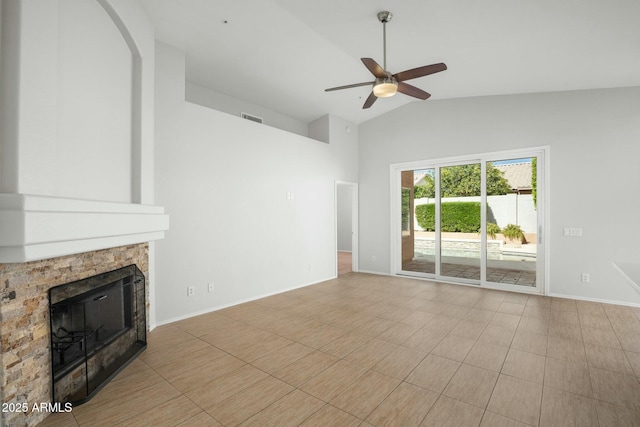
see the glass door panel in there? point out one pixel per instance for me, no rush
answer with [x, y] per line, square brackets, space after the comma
[418, 221]
[460, 218]
[512, 222]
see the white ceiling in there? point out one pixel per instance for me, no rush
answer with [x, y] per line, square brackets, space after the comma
[282, 54]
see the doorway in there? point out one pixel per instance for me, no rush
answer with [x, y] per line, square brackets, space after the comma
[346, 217]
[476, 220]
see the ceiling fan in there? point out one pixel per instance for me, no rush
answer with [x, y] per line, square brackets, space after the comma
[387, 84]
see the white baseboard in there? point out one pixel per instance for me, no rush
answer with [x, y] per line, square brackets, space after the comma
[220, 307]
[377, 273]
[600, 300]
[553, 295]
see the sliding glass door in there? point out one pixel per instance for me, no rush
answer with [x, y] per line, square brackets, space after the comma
[512, 222]
[474, 221]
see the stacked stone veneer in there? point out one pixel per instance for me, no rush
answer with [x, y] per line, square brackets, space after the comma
[25, 362]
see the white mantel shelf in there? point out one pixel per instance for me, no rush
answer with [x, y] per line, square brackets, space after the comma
[41, 227]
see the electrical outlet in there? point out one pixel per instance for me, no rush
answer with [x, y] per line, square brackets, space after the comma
[585, 278]
[211, 288]
[190, 291]
[373, 258]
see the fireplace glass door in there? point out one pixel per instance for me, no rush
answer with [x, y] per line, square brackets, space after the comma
[97, 327]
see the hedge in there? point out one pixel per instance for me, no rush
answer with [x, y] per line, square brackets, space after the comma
[462, 217]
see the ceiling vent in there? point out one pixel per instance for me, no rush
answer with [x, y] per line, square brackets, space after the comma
[250, 117]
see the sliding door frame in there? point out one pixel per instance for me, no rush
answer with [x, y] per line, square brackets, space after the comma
[542, 258]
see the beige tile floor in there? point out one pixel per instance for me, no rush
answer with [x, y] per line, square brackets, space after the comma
[365, 350]
[344, 262]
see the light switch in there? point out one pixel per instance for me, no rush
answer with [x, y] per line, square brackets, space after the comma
[573, 232]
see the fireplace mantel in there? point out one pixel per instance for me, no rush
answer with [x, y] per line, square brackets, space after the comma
[40, 227]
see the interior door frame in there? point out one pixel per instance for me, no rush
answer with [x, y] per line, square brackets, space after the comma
[354, 223]
[542, 274]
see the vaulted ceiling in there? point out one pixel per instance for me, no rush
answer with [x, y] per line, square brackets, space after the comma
[282, 54]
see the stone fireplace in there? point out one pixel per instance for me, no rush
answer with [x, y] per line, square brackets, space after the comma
[25, 321]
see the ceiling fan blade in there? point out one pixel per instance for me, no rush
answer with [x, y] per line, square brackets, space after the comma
[349, 86]
[374, 67]
[419, 72]
[370, 100]
[412, 91]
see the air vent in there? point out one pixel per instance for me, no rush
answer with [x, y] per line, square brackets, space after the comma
[250, 117]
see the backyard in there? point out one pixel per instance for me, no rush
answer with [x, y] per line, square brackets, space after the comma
[511, 222]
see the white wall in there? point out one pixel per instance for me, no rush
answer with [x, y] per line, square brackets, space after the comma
[319, 128]
[224, 181]
[594, 149]
[219, 101]
[516, 209]
[94, 106]
[344, 143]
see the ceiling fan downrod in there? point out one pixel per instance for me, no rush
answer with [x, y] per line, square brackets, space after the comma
[384, 17]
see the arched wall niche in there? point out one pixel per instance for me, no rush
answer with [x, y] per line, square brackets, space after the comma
[97, 104]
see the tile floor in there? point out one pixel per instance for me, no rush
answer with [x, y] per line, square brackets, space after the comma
[344, 262]
[365, 350]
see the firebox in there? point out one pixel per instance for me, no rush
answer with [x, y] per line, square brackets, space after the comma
[98, 326]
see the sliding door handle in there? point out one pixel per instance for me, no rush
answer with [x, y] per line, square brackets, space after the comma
[539, 234]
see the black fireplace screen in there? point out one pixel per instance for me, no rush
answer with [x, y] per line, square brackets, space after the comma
[98, 326]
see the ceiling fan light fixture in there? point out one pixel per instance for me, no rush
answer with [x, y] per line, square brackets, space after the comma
[385, 88]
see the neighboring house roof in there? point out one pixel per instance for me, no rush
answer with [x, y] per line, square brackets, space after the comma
[518, 175]
[418, 178]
